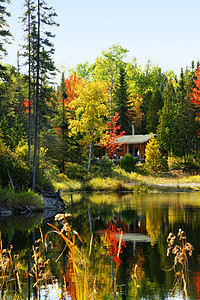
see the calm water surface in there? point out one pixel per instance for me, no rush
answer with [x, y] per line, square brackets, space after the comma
[139, 269]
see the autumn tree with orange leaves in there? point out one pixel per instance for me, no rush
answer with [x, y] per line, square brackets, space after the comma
[195, 95]
[66, 93]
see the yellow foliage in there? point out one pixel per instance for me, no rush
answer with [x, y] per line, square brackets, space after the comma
[91, 106]
[153, 155]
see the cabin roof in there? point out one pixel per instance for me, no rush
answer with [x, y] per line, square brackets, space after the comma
[134, 139]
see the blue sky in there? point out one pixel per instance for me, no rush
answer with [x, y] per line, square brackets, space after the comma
[166, 32]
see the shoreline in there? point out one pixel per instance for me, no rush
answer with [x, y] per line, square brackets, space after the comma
[27, 202]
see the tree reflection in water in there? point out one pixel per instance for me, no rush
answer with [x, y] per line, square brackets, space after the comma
[115, 248]
[135, 273]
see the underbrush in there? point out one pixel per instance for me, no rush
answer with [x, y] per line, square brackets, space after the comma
[13, 200]
[67, 185]
[120, 180]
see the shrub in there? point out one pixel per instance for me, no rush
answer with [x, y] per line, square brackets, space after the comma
[105, 166]
[175, 162]
[75, 171]
[128, 163]
[13, 167]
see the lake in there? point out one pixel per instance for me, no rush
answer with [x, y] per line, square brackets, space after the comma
[116, 249]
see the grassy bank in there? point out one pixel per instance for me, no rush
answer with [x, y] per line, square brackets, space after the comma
[14, 200]
[118, 181]
[134, 182]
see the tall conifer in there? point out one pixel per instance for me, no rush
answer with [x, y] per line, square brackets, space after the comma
[155, 106]
[5, 34]
[122, 103]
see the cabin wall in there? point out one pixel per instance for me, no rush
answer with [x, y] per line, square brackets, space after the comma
[130, 148]
[126, 148]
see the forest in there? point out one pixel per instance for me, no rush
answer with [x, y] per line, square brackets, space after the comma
[48, 130]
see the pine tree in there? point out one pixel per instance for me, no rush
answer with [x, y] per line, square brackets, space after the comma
[5, 34]
[144, 110]
[122, 103]
[155, 106]
[186, 123]
[38, 50]
[166, 129]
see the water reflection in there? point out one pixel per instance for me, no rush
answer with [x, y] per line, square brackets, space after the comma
[127, 266]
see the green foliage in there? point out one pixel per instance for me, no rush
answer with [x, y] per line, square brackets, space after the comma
[144, 106]
[177, 129]
[128, 163]
[105, 167]
[12, 168]
[75, 171]
[5, 35]
[167, 129]
[122, 103]
[153, 155]
[47, 20]
[107, 67]
[155, 105]
[16, 171]
[83, 70]
[12, 200]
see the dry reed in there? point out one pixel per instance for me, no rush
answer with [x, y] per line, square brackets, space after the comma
[10, 282]
[77, 264]
[179, 246]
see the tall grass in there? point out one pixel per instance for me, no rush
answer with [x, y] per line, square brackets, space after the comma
[10, 283]
[77, 264]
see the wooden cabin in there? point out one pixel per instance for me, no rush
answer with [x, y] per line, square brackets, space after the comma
[134, 144]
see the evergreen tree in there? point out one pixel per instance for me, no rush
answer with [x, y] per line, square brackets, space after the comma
[122, 103]
[188, 123]
[155, 106]
[166, 129]
[144, 106]
[39, 50]
[5, 34]
[182, 116]
[30, 25]
[12, 105]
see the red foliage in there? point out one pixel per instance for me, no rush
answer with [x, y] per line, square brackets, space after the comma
[195, 95]
[71, 285]
[115, 246]
[70, 86]
[196, 282]
[58, 129]
[25, 106]
[112, 144]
